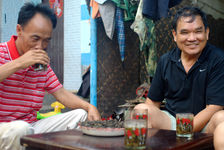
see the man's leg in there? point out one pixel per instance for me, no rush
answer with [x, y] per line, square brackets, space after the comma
[156, 118]
[216, 119]
[218, 137]
[10, 134]
[64, 121]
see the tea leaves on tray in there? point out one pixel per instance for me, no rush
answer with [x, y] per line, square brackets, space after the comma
[103, 124]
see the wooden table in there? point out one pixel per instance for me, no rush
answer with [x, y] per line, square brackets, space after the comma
[75, 139]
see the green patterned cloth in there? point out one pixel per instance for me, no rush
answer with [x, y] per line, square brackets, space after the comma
[149, 47]
[145, 28]
[129, 6]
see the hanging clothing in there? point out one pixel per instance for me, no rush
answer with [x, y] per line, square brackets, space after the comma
[120, 32]
[150, 51]
[145, 29]
[129, 7]
[157, 9]
[84, 89]
[95, 9]
[139, 25]
[107, 11]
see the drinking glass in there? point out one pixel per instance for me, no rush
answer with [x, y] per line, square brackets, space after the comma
[184, 125]
[135, 125]
[140, 114]
[40, 67]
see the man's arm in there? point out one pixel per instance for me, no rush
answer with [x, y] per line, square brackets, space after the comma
[8, 69]
[72, 101]
[203, 117]
[29, 58]
[148, 102]
[151, 102]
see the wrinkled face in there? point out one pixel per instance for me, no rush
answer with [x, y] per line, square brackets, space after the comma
[36, 34]
[191, 37]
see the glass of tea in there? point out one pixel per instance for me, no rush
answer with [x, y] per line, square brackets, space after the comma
[184, 125]
[136, 129]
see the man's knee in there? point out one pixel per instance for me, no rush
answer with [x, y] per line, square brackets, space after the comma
[218, 117]
[83, 114]
[10, 134]
[17, 128]
[219, 128]
[218, 136]
[23, 127]
[80, 113]
[141, 106]
[215, 120]
[151, 108]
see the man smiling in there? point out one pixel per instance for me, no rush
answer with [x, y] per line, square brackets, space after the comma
[190, 77]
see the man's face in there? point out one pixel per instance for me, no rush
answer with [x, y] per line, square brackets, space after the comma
[191, 37]
[36, 34]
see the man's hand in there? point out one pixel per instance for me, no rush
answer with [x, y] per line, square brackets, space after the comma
[29, 58]
[93, 113]
[32, 57]
[73, 101]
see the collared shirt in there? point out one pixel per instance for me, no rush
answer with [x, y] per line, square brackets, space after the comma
[22, 93]
[192, 91]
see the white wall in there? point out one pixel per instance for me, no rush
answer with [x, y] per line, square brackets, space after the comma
[85, 37]
[72, 52]
[9, 16]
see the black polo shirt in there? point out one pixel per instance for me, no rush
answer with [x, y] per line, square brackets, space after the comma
[203, 85]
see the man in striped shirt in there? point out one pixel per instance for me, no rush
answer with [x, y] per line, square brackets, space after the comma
[22, 88]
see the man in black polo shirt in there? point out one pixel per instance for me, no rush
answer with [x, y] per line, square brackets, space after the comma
[190, 77]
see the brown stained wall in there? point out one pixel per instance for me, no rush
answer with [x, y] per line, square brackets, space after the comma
[116, 80]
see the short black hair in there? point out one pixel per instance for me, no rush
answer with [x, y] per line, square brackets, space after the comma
[28, 10]
[189, 11]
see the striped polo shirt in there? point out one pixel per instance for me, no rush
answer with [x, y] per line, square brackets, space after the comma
[22, 93]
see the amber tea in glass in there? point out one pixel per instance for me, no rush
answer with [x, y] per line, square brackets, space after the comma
[135, 133]
[184, 125]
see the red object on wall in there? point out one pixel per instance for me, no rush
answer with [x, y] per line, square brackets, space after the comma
[57, 5]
